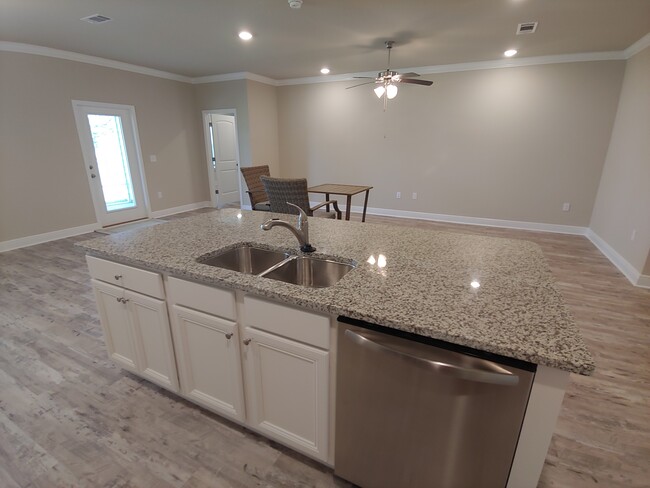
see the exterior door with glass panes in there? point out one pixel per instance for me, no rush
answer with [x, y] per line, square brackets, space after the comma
[111, 151]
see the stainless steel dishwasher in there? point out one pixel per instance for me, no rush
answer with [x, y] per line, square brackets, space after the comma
[414, 412]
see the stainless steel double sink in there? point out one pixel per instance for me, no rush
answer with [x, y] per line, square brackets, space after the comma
[279, 265]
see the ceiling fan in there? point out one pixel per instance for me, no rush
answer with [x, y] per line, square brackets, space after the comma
[388, 80]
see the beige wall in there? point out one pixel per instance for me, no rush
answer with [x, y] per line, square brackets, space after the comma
[263, 120]
[623, 202]
[43, 185]
[503, 143]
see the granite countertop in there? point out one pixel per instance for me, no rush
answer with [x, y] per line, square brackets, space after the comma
[424, 287]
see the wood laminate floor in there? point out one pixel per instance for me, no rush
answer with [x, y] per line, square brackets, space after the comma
[70, 418]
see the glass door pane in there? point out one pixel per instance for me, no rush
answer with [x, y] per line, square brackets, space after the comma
[112, 161]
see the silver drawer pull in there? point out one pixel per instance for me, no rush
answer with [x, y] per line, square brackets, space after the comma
[118, 277]
[118, 299]
[229, 335]
[247, 342]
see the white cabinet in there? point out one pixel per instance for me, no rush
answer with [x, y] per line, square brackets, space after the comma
[115, 323]
[136, 326]
[287, 386]
[207, 347]
[257, 362]
[287, 380]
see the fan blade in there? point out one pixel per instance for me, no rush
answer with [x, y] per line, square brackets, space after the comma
[366, 83]
[364, 77]
[406, 75]
[416, 82]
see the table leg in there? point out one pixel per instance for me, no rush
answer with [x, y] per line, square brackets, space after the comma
[327, 199]
[347, 207]
[365, 206]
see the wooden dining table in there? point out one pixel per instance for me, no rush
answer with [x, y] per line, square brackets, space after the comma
[347, 190]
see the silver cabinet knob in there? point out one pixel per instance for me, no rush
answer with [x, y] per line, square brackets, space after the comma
[118, 299]
[118, 277]
[229, 335]
[247, 342]
[93, 175]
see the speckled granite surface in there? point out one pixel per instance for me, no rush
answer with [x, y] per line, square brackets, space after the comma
[424, 287]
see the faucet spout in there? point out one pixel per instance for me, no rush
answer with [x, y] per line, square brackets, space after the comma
[301, 231]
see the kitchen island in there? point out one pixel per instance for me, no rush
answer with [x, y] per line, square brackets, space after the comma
[489, 294]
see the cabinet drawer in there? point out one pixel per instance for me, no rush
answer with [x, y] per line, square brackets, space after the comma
[215, 301]
[306, 327]
[146, 282]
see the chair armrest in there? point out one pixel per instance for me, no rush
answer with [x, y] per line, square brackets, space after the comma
[333, 203]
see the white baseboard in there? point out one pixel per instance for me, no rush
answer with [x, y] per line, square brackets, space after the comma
[459, 219]
[643, 281]
[176, 210]
[47, 237]
[630, 272]
[84, 229]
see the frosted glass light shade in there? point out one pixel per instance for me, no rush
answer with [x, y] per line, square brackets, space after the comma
[391, 91]
[379, 91]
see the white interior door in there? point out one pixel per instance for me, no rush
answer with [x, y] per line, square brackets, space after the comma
[111, 151]
[224, 156]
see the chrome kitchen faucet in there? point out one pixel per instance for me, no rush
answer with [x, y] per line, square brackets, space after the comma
[301, 231]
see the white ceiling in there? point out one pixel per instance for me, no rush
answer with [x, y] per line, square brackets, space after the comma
[199, 37]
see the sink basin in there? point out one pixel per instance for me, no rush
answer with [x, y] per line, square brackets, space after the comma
[311, 272]
[246, 259]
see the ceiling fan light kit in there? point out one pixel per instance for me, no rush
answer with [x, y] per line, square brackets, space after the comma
[388, 80]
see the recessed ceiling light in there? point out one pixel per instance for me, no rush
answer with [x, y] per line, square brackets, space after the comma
[325, 71]
[245, 35]
[510, 53]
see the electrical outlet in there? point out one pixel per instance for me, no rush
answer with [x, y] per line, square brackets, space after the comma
[398, 195]
[566, 207]
[415, 196]
[153, 158]
[159, 194]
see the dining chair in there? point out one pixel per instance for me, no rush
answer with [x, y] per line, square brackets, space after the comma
[256, 192]
[294, 190]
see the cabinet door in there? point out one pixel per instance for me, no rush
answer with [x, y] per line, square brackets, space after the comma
[287, 391]
[113, 315]
[151, 332]
[209, 364]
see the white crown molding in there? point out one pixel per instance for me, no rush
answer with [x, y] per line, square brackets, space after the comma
[635, 48]
[638, 46]
[475, 66]
[242, 75]
[47, 237]
[17, 47]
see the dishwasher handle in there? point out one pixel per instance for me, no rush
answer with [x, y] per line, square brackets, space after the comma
[477, 375]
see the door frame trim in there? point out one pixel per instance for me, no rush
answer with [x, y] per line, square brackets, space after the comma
[208, 152]
[80, 104]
